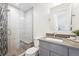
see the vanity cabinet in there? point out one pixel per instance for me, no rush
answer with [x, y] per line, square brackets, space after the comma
[43, 52]
[50, 49]
[60, 50]
[73, 52]
[52, 53]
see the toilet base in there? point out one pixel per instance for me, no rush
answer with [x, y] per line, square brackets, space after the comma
[33, 51]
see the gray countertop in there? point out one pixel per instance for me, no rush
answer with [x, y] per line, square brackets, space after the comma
[66, 42]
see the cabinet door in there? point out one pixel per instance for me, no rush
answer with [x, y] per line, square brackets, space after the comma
[54, 54]
[43, 52]
[73, 52]
[54, 47]
[59, 49]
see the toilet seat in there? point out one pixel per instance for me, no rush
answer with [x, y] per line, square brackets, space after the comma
[31, 51]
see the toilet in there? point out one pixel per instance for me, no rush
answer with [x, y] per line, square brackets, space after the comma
[33, 51]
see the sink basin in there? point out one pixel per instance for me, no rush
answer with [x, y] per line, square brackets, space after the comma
[53, 39]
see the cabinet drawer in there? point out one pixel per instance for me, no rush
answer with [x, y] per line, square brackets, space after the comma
[44, 44]
[73, 52]
[43, 52]
[62, 50]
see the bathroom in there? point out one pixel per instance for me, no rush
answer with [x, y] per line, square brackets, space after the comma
[26, 23]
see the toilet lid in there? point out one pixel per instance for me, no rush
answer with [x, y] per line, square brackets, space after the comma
[31, 50]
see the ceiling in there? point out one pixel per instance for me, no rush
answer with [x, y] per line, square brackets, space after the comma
[23, 6]
[26, 6]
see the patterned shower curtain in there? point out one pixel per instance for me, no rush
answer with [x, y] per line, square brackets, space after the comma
[3, 28]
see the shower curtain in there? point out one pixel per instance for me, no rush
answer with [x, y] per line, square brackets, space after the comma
[3, 28]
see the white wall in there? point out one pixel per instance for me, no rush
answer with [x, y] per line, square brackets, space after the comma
[75, 18]
[14, 16]
[27, 33]
[41, 13]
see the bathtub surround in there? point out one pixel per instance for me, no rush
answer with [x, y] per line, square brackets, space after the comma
[14, 16]
[3, 29]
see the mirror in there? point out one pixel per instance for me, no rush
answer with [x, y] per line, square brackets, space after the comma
[60, 17]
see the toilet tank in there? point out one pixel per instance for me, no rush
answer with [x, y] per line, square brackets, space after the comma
[36, 42]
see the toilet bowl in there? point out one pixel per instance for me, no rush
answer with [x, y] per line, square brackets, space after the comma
[33, 51]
